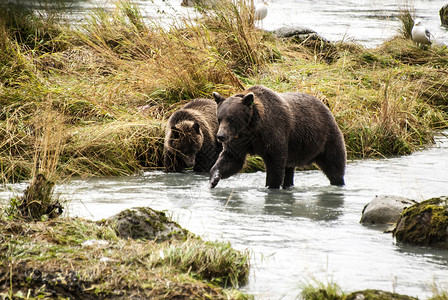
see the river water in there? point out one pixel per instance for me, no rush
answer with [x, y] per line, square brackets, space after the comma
[366, 22]
[311, 232]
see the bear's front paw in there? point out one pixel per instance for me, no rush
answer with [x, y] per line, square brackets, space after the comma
[214, 178]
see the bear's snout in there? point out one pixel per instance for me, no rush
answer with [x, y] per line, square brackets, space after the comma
[189, 161]
[221, 137]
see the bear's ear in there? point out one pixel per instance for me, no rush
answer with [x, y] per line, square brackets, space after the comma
[218, 97]
[196, 127]
[248, 100]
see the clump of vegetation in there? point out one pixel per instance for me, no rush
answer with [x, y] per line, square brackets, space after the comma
[212, 261]
[39, 200]
[332, 291]
[439, 293]
[406, 17]
[76, 258]
[319, 290]
[40, 31]
[424, 224]
[378, 294]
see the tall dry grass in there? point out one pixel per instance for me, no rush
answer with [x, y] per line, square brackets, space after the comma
[40, 30]
[39, 200]
[188, 59]
[387, 100]
[406, 17]
[117, 148]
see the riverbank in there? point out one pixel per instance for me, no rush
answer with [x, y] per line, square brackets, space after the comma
[331, 290]
[110, 85]
[78, 258]
[81, 259]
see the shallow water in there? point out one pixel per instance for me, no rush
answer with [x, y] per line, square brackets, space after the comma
[309, 232]
[364, 21]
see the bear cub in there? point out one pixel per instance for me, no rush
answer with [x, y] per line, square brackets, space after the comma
[285, 129]
[190, 137]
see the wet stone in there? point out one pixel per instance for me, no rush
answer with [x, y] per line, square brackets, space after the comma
[298, 33]
[146, 223]
[385, 209]
[424, 224]
[377, 295]
[443, 12]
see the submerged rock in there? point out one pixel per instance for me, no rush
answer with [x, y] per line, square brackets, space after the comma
[443, 12]
[424, 224]
[377, 295]
[146, 223]
[385, 209]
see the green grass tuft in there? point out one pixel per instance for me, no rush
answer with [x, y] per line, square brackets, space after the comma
[216, 262]
[321, 291]
[406, 17]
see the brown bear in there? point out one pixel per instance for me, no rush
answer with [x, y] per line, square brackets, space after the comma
[285, 129]
[190, 137]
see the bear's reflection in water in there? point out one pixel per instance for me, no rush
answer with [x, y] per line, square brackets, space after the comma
[326, 205]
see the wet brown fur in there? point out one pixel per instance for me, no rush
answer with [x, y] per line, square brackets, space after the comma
[285, 129]
[190, 137]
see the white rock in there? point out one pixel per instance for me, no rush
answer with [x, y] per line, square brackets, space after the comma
[384, 209]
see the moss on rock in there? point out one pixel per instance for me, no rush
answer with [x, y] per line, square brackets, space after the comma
[147, 224]
[424, 224]
[377, 295]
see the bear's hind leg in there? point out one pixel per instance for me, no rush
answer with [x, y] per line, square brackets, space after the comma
[288, 181]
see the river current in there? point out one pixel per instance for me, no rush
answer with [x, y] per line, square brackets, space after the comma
[311, 232]
[365, 22]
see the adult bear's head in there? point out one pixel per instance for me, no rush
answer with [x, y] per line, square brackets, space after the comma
[234, 115]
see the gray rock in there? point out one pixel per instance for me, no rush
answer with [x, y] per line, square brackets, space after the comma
[443, 12]
[377, 294]
[146, 223]
[187, 3]
[205, 4]
[299, 33]
[385, 210]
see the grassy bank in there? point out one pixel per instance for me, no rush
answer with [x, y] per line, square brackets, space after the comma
[332, 291]
[80, 259]
[114, 81]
